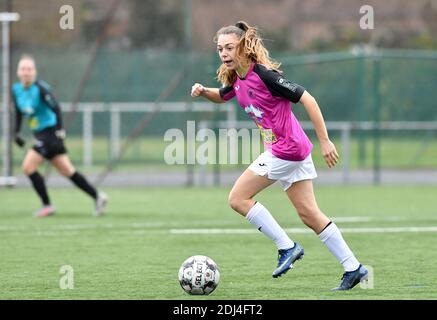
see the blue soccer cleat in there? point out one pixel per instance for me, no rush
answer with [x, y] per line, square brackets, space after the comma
[351, 278]
[286, 258]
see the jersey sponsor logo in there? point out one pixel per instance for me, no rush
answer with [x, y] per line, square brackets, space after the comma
[267, 135]
[251, 109]
[287, 84]
[33, 123]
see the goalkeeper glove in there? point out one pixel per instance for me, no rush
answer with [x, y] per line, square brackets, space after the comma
[19, 141]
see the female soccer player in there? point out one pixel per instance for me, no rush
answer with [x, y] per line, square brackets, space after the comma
[248, 73]
[33, 99]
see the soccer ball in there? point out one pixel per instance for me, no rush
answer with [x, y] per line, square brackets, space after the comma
[199, 275]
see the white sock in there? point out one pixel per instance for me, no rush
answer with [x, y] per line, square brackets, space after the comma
[332, 238]
[261, 218]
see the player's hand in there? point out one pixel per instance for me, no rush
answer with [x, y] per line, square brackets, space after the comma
[329, 153]
[197, 89]
[19, 141]
[60, 134]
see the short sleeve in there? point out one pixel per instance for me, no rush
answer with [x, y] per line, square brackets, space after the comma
[227, 93]
[278, 85]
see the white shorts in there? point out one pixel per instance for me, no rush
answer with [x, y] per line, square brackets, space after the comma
[286, 172]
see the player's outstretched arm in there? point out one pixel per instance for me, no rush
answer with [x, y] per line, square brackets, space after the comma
[329, 151]
[18, 120]
[212, 94]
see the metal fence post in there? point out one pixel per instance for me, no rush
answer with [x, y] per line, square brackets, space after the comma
[115, 132]
[376, 122]
[345, 141]
[87, 137]
[361, 94]
[6, 18]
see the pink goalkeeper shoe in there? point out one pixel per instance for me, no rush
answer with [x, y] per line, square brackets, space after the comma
[45, 212]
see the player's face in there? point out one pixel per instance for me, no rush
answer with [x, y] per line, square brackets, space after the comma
[26, 72]
[227, 49]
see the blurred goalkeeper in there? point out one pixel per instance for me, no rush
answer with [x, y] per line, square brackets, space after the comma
[32, 98]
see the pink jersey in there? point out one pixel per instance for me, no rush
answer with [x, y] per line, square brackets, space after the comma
[265, 96]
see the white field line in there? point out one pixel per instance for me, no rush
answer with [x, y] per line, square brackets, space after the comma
[161, 224]
[351, 219]
[146, 227]
[210, 231]
[306, 230]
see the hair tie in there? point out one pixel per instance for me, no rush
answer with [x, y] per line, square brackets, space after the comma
[241, 26]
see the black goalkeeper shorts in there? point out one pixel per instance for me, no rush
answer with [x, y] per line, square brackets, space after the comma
[47, 144]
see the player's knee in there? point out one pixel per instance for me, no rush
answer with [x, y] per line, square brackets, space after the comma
[235, 202]
[27, 169]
